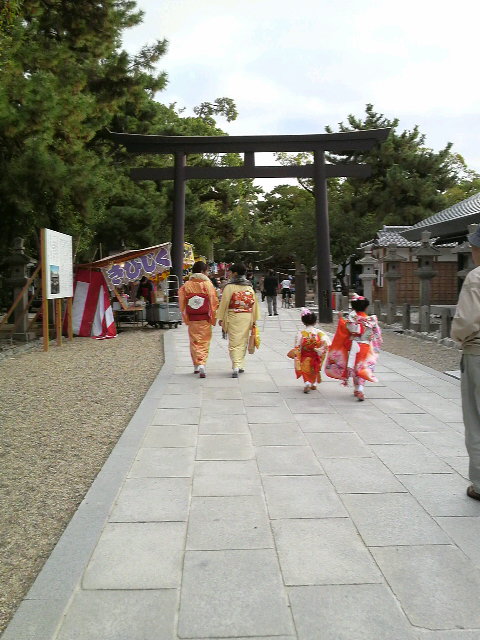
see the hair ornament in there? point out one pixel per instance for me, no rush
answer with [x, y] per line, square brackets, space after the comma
[305, 312]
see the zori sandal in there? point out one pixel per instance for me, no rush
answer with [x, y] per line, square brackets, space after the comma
[471, 493]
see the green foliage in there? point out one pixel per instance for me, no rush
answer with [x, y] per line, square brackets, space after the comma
[65, 81]
[408, 183]
[287, 218]
[467, 186]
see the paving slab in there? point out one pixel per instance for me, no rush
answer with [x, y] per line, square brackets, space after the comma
[283, 461]
[465, 533]
[277, 434]
[121, 615]
[223, 424]
[233, 522]
[396, 405]
[419, 422]
[441, 494]
[460, 464]
[241, 594]
[222, 408]
[236, 446]
[442, 408]
[345, 612]
[263, 400]
[409, 458]
[184, 401]
[387, 519]
[323, 551]
[264, 415]
[152, 500]
[223, 393]
[444, 443]
[451, 634]
[360, 475]
[383, 430]
[178, 435]
[338, 445]
[226, 478]
[322, 422]
[162, 463]
[308, 404]
[302, 497]
[177, 416]
[123, 557]
[435, 585]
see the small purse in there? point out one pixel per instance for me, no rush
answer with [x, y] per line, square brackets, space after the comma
[254, 340]
[293, 353]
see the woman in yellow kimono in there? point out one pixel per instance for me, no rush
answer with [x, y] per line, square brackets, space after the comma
[198, 303]
[237, 314]
[311, 346]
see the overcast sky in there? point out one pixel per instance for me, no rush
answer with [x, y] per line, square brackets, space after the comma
[295, 66]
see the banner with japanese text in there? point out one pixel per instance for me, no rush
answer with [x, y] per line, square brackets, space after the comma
[148, 264]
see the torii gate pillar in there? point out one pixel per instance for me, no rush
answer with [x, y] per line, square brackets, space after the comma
[178, 223]
[324, 280]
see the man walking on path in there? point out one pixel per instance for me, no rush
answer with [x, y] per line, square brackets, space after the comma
[198, 303]
[270, 286]
[466, 329]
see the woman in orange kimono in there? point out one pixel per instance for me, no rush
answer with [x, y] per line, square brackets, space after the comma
[355, 348]
[198, 303]
[311, 347]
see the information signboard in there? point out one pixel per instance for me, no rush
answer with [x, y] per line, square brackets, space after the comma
[58, 265]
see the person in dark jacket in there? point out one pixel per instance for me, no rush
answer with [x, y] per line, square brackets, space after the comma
[270, 286]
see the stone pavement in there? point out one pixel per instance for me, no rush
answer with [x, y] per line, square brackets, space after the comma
[247, 509]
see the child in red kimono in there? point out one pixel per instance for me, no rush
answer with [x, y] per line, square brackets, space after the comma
[355, 347]
[311, 346]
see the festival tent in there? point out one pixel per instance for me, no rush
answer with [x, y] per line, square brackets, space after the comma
[92, 312]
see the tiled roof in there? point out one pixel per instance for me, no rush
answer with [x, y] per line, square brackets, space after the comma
[453, 220]
[391, 235]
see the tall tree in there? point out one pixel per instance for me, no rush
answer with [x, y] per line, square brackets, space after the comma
[407, 184]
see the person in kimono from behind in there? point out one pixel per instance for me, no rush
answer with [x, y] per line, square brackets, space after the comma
[355, 347]
[237, 314]
[198, 303]
[311, 346]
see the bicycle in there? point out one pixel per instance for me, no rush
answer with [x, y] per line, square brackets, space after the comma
[286, 298]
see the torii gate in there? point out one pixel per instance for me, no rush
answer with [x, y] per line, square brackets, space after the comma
[181, 146]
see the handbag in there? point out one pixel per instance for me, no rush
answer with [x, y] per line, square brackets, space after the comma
[253, 340]
[293, 353]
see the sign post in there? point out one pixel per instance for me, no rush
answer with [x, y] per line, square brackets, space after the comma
[57, 278]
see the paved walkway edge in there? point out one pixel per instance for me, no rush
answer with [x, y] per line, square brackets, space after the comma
[41, 612]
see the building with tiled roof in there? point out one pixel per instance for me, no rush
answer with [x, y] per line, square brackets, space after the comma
[450, 224]
[444, 285]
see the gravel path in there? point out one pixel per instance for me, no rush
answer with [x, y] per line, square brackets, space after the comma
[61, 414]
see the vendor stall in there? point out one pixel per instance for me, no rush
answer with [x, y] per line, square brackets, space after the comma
[122, 274]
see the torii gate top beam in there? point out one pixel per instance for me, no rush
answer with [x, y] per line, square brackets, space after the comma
[181, 146]
[333, 142]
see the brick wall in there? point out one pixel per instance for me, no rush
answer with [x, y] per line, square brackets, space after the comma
[443, 285]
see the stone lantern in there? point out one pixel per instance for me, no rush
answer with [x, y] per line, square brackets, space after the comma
[466, 250]
[392, 261]
[368, 275]
[16, 267]
[426, 255]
